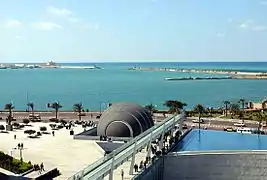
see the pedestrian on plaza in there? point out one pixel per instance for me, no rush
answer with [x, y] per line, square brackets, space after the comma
[42, 167]
[135, 168]
[141, 165]
[122, 174]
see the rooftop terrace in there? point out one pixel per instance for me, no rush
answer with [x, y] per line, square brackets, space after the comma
[208, 140]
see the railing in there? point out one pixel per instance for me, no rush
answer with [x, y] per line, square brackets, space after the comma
[220, 152]
[102, 167]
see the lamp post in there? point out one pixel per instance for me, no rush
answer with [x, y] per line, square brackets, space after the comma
[20, 147]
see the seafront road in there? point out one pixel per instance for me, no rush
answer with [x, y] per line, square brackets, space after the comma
[210, 123]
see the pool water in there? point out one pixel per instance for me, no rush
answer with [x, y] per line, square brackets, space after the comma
[205, 140]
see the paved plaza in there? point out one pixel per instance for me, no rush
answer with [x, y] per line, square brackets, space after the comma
[60, 151]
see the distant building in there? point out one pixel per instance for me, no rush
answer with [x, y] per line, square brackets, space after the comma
[257, 105]
[51, 63]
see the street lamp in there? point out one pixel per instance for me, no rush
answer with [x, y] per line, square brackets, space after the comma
[20, 147]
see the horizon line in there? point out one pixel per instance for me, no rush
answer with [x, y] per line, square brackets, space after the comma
[138, 62]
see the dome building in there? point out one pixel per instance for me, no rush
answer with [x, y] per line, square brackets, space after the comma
[124, 120]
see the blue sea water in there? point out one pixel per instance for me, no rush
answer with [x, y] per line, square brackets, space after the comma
[116, 83]
[205, 140]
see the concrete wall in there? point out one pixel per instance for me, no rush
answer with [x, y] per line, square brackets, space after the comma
[244, 166]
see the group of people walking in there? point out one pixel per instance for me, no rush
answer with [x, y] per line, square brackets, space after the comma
[39, 168]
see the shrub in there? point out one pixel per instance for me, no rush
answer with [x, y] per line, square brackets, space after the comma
[43, 128]
[63, 121]
[30, 131]
[26, 121]
[60, 126]
[54, 120]
[52, 126]
[2, 127]
[39, 133]
[15, 124]
[14, 165]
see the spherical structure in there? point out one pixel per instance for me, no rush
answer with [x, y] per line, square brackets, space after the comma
[124, 120]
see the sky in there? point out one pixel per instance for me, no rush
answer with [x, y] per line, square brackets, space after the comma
[133, 30]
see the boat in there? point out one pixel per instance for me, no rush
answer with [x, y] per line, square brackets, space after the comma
[50, 64]
[92, 67]
[2, 66]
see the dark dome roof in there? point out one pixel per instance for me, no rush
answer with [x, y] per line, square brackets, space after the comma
[124, 120]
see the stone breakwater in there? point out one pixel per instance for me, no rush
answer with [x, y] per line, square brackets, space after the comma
[211, 71]
[233, 74]
[207, 71]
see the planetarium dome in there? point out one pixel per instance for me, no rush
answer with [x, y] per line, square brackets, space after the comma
[124, 120]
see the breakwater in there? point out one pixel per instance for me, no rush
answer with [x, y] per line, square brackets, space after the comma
[252, 77]
[206, 71]
[197, 78]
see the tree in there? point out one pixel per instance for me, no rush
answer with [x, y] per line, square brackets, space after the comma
[56, 106]
[226, 104]
[9, 107]
[2, 128]
[174, 106]
[260, 117]
[242, 102]
[200, 109]
[31, 105]
[235, 109]
[78, 108]
[151, 108]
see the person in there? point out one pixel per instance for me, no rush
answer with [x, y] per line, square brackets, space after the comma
[145, 163]
[135, 168]
[141, 165]
[53, 133]
[42, 167]
[122, 174]
[15, 136]
[21, 145]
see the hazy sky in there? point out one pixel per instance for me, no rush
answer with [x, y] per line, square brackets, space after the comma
[133, 30]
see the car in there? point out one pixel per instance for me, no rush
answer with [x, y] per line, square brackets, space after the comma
[240, 125]
[244, 130]
[198, 121]
[229, 129]
[258, 131]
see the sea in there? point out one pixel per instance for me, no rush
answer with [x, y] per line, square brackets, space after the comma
[96, 88]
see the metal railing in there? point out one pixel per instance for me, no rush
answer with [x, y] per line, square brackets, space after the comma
[102, 167]
[219, 152]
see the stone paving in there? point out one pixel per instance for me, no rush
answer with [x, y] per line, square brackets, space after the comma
[60, 151]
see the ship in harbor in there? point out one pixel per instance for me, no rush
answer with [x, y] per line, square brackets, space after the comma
[2, 66]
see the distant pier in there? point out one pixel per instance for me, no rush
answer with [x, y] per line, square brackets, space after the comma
[197, 78]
